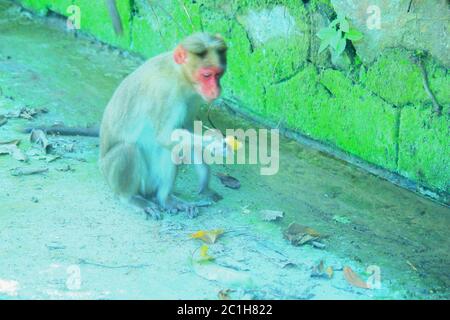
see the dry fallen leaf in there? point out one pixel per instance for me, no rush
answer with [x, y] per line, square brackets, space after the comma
[14, 141]
[354, 279]
[298, 234]
[207, 236]
[39, 137]
[3, 120]
[14, 151]
[329, 271]
[25, 113]
[320, 271]
[204, 256]
[271, 215]
[228, 181]
[224, 294]
[28, 171]
[411, 265]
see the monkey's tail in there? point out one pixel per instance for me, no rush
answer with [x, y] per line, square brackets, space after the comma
[65, 131]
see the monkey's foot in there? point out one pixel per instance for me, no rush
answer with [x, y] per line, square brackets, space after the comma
[191, 211]
[153, 212]
[176, 205]
[150, 208]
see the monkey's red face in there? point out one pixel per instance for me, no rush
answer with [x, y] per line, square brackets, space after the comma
[208, 80]
[204, 69]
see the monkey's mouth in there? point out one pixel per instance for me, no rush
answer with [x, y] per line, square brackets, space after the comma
[210, 95]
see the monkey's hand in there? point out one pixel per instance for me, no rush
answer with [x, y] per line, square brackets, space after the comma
[220, 147]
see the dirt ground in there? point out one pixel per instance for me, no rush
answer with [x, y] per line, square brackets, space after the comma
[63, 235]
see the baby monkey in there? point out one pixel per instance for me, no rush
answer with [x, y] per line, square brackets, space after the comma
[161, 96]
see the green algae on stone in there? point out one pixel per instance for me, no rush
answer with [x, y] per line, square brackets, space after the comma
[362, 123]
[39, 6]
[96, 20]
[397, 79]
[424, 147]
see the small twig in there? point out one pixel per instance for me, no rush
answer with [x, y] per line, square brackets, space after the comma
[138, 266]
[437, 108]
[409, 6]
[411, 265]
[115, 16]
[188, 15]
[157, 21]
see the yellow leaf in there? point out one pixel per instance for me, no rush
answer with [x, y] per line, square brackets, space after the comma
[207, 236]
[204, 253]
[353, 278]
[329, 272]
[234, 143]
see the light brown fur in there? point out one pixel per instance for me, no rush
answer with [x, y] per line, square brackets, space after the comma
[135, 133]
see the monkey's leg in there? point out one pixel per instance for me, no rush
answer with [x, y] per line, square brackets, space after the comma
[163, 172]
[124, 166]
[204, 175]
[150, 208]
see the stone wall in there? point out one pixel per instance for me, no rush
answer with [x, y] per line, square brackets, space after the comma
[370, 102]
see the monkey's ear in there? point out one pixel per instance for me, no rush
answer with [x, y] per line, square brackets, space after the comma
[180, 55]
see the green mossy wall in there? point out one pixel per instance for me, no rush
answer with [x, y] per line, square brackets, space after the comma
[378, 112]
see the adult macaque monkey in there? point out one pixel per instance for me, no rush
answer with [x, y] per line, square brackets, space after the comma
[161, 96]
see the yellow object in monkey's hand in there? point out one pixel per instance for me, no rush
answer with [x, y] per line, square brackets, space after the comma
[233, 143]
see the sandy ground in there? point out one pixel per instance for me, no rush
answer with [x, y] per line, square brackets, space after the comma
[63, 235]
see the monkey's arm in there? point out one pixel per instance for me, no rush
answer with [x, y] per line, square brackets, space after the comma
[65, 131]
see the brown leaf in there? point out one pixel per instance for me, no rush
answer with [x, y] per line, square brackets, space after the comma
[224, 294]
[354, 279]
[298, 234]
[228, 181]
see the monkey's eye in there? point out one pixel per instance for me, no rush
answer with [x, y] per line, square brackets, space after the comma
[207, 75]
[202, 54]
